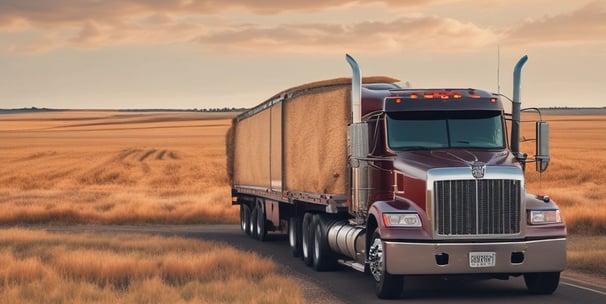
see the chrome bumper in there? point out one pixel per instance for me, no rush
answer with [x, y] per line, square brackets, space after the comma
[430, 258]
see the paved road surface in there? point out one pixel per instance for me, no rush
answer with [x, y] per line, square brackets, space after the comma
[350, 286]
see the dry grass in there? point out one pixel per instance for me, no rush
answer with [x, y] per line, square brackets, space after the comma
[113, 168]
[576, 178]
[41, 267]
[587, 254]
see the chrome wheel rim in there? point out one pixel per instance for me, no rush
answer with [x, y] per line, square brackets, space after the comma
[376, 259]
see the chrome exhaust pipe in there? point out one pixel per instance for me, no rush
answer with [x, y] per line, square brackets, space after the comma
[357, 145]
[516, 107]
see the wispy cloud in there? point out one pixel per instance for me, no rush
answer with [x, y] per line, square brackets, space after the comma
[421, 32]
[94, 24]
[585, 25]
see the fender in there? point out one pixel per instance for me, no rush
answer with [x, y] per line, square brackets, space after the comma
[534, 202]
[400, 205]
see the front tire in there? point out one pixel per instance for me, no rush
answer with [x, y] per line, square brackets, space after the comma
[387, 286]
[543, 283]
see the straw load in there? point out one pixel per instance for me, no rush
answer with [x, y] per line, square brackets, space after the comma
[299, 143]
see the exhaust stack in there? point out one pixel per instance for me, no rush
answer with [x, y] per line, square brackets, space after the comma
[357, 146]
[356, 90]
[515, 109]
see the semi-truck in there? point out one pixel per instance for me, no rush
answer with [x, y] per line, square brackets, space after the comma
[397, 181]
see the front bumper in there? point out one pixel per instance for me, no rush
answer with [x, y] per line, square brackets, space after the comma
[429, 258]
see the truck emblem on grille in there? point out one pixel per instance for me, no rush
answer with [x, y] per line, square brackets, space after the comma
[478, 169]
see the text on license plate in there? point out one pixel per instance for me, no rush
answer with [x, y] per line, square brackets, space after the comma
[482, 259]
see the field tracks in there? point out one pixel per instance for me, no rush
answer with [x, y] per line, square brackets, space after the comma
[147, 154]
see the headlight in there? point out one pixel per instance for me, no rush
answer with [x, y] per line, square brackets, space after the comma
[537, 217]
[401, 220]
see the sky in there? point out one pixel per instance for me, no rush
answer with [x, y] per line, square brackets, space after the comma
[185, 54]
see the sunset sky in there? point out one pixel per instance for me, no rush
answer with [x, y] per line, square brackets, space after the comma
[183, 54]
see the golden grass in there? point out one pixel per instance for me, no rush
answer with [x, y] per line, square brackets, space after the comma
[114, 168]
[587, 254]
[42, 267]
[576, 178]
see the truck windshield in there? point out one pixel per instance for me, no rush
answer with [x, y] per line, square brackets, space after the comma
[445, 129]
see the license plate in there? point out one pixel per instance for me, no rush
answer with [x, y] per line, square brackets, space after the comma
[482, 259]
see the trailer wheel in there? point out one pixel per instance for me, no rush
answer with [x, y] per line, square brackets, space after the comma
[245, 218]
[294, 235]
[253, 223]
[323, 257]
[307, 239]
[542, 283]
[387, 286]
[260, 231]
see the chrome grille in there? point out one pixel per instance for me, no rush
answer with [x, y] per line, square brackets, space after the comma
[477, 207]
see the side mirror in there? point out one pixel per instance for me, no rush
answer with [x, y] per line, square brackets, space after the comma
[542, 150]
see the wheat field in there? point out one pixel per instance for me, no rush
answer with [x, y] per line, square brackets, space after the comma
[81, 167]
[576, 178]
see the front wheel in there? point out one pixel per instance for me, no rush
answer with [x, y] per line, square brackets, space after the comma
[387, 286]
[542, 283]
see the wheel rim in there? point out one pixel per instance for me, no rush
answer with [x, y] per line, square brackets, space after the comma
[376, 259]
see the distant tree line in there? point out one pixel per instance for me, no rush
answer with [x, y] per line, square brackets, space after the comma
[224, 109]
[36, 109]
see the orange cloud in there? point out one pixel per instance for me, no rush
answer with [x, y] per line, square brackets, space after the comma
[428, 33]
[585, 25]
[93, 24]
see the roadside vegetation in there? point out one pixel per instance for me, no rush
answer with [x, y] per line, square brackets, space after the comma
[43, 267]
[576, 180]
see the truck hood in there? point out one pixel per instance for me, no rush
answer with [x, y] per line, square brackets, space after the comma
[415, 164]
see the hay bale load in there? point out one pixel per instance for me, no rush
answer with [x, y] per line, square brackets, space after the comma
[296, 140]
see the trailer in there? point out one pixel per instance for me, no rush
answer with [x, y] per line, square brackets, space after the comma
[397, 181]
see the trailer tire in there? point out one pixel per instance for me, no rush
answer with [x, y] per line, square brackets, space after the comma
[387, 286]
[253, 223]
[260, 231]
[307, 239]
[323, 257]
[542, 283]
[245, 218]
[294, 235]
